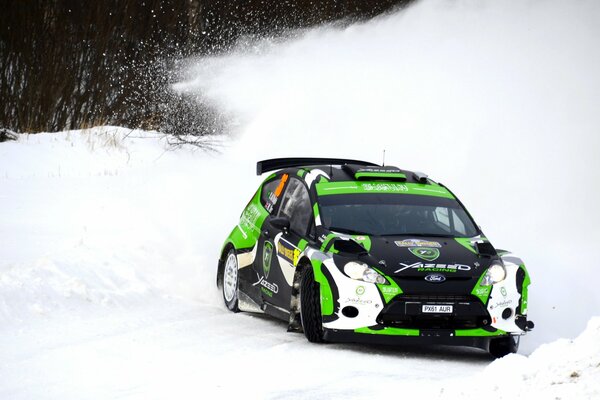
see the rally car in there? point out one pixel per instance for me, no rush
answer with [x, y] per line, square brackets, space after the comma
[351, 251]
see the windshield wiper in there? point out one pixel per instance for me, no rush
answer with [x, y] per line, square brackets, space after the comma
[348, 230]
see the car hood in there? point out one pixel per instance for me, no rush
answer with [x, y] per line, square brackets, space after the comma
[411, 259]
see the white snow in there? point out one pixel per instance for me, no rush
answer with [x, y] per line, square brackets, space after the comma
[108, 242]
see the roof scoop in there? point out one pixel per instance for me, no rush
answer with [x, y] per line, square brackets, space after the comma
[361, 172]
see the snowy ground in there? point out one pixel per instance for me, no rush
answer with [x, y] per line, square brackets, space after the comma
[107, 291]
[108, 243]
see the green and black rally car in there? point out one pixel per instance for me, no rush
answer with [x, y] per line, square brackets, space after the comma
[350, 251]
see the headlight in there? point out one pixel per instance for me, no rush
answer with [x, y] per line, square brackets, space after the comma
[362, 272]
[495, 273]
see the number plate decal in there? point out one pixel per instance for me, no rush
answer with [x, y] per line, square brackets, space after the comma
[437, 309]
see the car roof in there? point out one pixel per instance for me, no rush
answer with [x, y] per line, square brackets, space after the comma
[341, 169]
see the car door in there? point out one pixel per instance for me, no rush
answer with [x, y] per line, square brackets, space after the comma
[280, 247]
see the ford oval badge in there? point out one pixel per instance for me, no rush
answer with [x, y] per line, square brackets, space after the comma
[435, 278]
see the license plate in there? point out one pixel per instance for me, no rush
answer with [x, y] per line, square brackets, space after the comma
[440, 309]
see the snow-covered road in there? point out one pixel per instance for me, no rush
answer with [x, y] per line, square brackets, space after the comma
[107, 286]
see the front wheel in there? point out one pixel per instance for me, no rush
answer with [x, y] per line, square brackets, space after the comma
[504, 346]
[310, 307]
[230, 281]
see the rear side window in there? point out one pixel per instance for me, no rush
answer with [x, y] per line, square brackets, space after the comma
[296, 206]
[271, 192]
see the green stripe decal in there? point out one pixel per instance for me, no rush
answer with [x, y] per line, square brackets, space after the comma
[478, 332]
[365, 241]
[350, 187]
[327, 240]
[469, 243]
[316, 210]
[388, 291]
[483, 292]
[388, 331]
[525, 290]
[302, 244]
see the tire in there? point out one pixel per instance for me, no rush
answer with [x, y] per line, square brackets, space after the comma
[310, 307]
[231, 279]
[504, 346]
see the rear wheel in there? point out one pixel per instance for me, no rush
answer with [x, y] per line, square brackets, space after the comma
[230, 281]
[504, 346]
[310, 307]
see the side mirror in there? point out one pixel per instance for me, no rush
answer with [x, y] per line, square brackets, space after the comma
[281, 223]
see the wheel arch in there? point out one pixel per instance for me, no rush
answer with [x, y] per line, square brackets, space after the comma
[295, 324]
[221, 263]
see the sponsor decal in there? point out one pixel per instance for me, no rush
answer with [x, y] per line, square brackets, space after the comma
[384, 187]
[360, 290]
[267, 256]
[267, 285]
[279, 189]
[417, 243]
[435, 278]
[425, 253]
[389, 290]
[248, 219]
[289, 253]
[503, 291]
[355, 300]
[503, 303]
[269, 207]
[419, 266]
[274, 196]
[482, 291]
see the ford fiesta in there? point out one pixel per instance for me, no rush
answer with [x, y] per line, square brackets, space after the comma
[350, 251]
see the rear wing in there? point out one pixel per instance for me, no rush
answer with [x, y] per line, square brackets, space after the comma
[280, 163]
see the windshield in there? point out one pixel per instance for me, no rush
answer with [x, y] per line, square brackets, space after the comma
[395, 214]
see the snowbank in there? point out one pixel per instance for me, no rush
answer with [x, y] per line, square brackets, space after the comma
[101, 216]
[564, 369]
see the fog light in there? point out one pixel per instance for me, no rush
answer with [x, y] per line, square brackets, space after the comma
[507, 313]
[350, 311]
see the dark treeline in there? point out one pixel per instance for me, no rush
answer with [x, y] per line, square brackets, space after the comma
[68, 64]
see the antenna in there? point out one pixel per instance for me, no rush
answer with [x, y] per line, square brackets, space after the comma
[383, 163]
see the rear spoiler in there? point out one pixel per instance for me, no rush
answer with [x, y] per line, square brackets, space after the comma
[280, 163]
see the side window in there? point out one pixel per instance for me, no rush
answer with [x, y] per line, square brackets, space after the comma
[459, 226]
[296, 206]
[271, 192]
[442, 217]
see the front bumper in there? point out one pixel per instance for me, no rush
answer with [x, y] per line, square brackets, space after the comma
[478, 338]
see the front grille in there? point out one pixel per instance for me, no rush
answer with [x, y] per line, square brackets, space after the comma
[405, 311]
